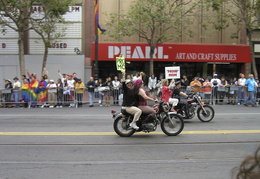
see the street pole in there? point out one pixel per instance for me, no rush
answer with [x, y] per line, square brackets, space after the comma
[96, 71]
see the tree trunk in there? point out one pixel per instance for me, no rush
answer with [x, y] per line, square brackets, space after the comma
[45, 55]
[152, 48]
[254, 69]
[21, 54]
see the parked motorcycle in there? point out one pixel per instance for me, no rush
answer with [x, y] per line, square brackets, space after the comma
[193, 105]
[171, 123]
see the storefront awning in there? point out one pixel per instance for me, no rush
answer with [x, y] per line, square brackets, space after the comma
[174, 52]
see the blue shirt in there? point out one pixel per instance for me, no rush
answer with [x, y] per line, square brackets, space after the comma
[250, 83]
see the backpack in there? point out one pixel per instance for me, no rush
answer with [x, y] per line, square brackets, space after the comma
[215, 83]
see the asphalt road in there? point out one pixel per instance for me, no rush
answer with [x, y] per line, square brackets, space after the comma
[80, 143]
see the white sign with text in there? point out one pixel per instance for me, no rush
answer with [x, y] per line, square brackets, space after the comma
[172, 72]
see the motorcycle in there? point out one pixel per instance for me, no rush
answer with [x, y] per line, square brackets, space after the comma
[193, 105]
[171, 123]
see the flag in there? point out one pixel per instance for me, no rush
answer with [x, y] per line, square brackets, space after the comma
[98, 29]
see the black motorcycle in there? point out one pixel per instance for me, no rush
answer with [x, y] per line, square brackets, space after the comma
[171, 123]
[193, 105]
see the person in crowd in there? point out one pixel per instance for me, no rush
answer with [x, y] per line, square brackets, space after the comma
[177, 93]
[232, 84]
[79, 88]
[91, 91]
[107, 93]
[25, 92]
[33, 89]
[32, 75]
[52, 90]
[215, 82]
[144, 78]
[59, 93]
[195, 84]
[63, 77]
[8, 93]
[159, 88]
[241, 88]
[136, 76]
[185, 83]
[207, 89]
[152, 81]
[115, 90]
[142, 98]
[71, 87]
[42, 91]
[75, 78]
[66, 93]
[222, 90]
[251, 84]
[16, 91]
[101, 90]
[129, 103]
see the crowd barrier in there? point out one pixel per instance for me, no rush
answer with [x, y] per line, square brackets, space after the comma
[32, 98]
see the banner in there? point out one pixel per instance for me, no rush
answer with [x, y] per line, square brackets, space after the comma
[120, 63]
[172, 72]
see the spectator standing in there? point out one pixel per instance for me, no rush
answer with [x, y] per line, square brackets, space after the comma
[59, 93]
[222, 90]
[206, 89]
[25, 92]
[101, 90]
[79, 87]
[52, 89]
[241, 88]
[107, 93]
[16, 91]
[66, 92]
[152, 85]
[71, 87]
[215, 82]
[63, 77]
[251, 84]
[115, 89]
[91, 91]
[8, 93]
[33, 86]
[231, 92]
[195, 84]
[75, 78]
[185, 83]
[42, 91]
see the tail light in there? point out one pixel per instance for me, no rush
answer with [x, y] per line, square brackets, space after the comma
[113, 111]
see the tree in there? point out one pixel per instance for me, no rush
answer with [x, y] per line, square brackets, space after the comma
[18, 15]
[244, 13]
[156, 21]
[46, 27]
[15, 15]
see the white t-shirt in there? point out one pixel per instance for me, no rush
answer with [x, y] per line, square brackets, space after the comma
[70, 83]
[241, 81]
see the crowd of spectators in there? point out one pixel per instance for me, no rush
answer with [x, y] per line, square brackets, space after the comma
[69, 90]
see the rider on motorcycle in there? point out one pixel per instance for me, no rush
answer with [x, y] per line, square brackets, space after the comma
[129, 103]
[177, 93]
[141, 99]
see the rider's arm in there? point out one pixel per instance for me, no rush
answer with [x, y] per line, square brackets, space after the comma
[142, 93]
[183, 94]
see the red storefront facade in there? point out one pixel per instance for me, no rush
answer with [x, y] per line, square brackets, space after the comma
[192, 58]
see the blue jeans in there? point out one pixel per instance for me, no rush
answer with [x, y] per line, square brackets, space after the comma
[251, 96]
[16, 98]
[241, 94]
[91, 97]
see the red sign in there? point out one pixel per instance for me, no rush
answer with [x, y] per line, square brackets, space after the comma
[174, 52]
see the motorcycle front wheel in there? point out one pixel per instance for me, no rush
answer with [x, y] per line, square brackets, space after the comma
[172, 125]
[207, 115]
[122, 128]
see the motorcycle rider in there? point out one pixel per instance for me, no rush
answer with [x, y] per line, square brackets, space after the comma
[177, 93]
[142, 98]
[129, 103]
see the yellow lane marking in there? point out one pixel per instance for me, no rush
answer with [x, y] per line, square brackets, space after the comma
[113, 133]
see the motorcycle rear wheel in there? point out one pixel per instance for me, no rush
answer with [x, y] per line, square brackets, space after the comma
[122, 128]
[206, 117]
[172, 125]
